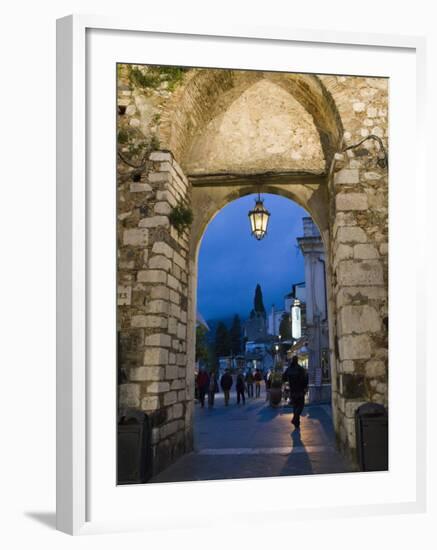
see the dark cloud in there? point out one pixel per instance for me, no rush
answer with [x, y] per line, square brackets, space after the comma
[232, 262]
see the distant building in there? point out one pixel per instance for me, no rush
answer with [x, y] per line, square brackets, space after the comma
[274, 320]
[315, 336]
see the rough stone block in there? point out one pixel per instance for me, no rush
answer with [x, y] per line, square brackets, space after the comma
[157, 306]
[177, 384]
[347, 176]
[158, 177]
[160, 247]
[174, 297]
[375, 368]
[351, 273]
[142, 374]
[159, 340]
[135, 237]
[138, 321]
[156, 356]
[182, 331]
[343, 252]
[365, 252]
[161, 156]
[355, 347]
[155, 221]
[359, 107]
[154, 321]
[129, 395]
[172, 325]
[140, 188]
[159, 293]
[170, 398]
[150, 403]
[171, 372]
[358, 319]
[160, 262]
[178, 410]
[351, 234]
[181, 359]
[173, 283]
[351, 201]
[181, 262]
[162, 208]
[158, 387]
[152, 276]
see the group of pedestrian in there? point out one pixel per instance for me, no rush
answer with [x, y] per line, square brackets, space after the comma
[295, 375]
[207, 384]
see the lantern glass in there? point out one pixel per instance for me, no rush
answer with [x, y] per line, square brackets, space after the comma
[259, 219]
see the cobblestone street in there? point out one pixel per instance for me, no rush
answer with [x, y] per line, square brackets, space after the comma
[256, 440]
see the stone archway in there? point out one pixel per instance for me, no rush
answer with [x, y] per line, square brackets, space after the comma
[344, 191]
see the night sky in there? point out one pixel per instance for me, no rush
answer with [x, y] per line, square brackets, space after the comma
[232, 262]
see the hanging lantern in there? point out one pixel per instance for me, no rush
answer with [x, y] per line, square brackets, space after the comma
[259, 218]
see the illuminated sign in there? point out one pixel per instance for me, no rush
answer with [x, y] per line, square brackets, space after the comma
[296, 320]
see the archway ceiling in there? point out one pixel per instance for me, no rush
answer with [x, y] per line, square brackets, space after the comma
[210, 100]
[256, 127]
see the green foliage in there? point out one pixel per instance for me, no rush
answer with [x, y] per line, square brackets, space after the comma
[181, 217]
[222, 345]
[123, 137]
[258, 302]
[151, 76]
[235, 336]
[285, 327]
[144, 79]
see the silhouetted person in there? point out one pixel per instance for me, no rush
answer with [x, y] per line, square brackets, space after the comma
[212, 389]
[226, 384]
[202, 385]
[258, 379]
[298, 380]
[241, 388]
[249, 383]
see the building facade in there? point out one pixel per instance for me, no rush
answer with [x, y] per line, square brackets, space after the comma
[317, 331]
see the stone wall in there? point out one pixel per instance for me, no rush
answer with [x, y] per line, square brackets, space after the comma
[153, 305]
[359, 252]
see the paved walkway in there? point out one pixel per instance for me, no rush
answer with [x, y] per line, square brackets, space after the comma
[256, 440]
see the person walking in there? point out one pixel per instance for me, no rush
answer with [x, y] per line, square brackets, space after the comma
[202, 385]
[249, 383]
[298, 381]
[212, 389]
[241, 388]
[226, 382]
[258, 379]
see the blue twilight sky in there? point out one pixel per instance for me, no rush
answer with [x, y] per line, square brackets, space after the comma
[232, 262]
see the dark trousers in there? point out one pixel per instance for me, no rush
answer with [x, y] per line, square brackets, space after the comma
[202, 393]
[249, 390]
[240, 394]
[226, 394]
[211, 395]
[257, 390]
[298, 401]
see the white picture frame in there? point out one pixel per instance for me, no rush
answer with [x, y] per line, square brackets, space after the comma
[76, 235]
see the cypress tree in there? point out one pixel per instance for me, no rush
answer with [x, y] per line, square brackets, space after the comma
[222, 341]
[258, 301]
[235, 335]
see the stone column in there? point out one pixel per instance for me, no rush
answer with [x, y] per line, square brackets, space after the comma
[153, 272]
